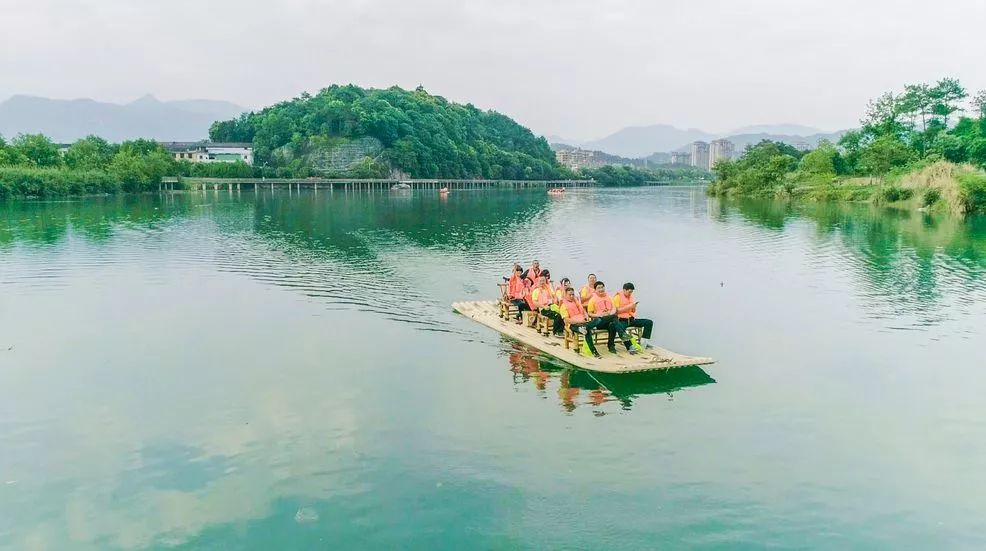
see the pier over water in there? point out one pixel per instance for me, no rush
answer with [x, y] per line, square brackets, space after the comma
[193, 183]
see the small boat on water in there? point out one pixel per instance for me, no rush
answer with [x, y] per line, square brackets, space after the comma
[651, 359]
[443, 191]
[400, 187]
[556, 191]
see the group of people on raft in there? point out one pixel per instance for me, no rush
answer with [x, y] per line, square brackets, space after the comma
[590, 309]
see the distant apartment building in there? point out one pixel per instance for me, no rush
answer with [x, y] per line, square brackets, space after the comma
[720, 149]
[802, 146]
[576, 158]
[700, 155]
[681, 158]
[211, 152]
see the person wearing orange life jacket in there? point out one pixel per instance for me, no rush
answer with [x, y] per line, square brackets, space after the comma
[517, 291]
[533, 272]
[560, 290]
[588, 289]
[574, 314]
[528, 289]
[626, 310]
[601, 307]
[547, 279]
[544, 298]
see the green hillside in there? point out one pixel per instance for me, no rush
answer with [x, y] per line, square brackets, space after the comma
[352, 131]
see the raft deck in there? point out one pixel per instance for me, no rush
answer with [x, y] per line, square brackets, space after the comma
[651, 359]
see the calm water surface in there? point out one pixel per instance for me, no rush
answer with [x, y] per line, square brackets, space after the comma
[226, 371]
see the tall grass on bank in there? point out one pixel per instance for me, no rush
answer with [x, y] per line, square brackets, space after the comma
[52, 182]
[956, 188]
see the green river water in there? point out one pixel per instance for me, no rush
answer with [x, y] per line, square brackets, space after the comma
[283, 371]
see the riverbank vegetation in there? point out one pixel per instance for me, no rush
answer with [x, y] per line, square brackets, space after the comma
[914, 149]
[343, 131]
[612, 175]
[353, 131]
[31, 165]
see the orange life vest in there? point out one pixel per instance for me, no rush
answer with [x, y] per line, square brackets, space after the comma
[542, 296]
[560, 293]
[620, 299]
[574, 312]
[586, 293]
[600, 304]
[515, 288]
[533, 274]
[529, 298]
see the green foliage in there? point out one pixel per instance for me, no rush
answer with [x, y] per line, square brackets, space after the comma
[48, 182]
[239, 169]
[10, 156]
[820, 161]
[422, 135]
[930, 197]
[89, 153]
[38, 150]
[882, 154]
[369, 168]
[972, 192]
[979, 104]
[140, 165]
[761, 170]
[611, 175]
[892, 194]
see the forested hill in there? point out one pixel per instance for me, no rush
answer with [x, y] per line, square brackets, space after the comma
[352, 131]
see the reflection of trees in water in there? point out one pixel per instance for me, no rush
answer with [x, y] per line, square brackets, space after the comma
[471, 220]
[95, 218]
[910, 260]
[576, 387]
[352, 250]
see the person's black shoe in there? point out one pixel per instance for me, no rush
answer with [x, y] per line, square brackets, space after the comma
[612, 350]
[597, 354]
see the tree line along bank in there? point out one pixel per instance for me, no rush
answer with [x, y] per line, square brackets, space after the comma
[924, 147]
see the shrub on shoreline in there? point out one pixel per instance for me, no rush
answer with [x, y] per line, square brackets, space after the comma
[51, 182]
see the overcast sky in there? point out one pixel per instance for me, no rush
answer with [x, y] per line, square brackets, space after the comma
[576, 68]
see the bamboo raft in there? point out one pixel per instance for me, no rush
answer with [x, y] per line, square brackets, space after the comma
[651, 359]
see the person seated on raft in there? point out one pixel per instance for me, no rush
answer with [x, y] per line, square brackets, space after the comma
[574, 314]
[517, 291]
[588, 289]
[560, 290]
[533, 272]
[543, 298]
[626, 310]
[528, 298]
[601, 307]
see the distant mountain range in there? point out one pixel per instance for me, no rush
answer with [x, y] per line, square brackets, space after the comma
[642, 141]
[147, 117]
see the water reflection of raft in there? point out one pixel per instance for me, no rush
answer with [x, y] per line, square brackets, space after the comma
[485, 312]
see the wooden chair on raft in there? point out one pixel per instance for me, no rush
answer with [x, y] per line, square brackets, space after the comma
[506, 307]
[573, 339]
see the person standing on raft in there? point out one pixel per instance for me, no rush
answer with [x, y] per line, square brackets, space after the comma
[601, 307]
[517, 291]
[626, 310]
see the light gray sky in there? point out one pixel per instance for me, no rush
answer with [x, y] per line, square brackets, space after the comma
[576, 68]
